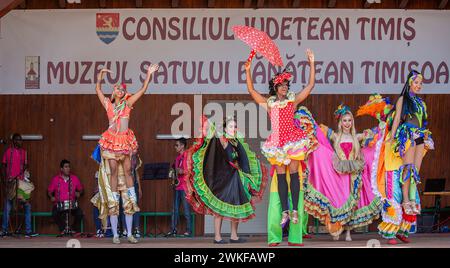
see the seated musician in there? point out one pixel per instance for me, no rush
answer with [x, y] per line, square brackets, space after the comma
[64, 190]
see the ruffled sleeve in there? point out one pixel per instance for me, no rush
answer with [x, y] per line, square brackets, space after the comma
[329, 133]
[369, 137]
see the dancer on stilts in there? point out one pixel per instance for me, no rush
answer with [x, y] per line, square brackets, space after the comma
[285, 148]
[400, 160]
[117, 144]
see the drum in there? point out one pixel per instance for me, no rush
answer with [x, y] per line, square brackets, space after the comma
[25, 189]
[23, 192]
[66, 205]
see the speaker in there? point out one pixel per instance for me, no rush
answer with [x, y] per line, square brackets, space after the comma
[425, 223]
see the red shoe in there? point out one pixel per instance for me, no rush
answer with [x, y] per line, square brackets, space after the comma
[404, 239]
[295, 244]
[307, 236]
[392, 241]
[274, 244]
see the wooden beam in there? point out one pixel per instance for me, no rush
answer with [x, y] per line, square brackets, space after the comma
[403, 4]
[139, 4]
[260, 4]
[8, 5]
[443, 4]
[62, 3]
[211, 3]
[23, 4]
[102, 3]
[331, 3]
[295, 3]
[247, 3]
[175, 3]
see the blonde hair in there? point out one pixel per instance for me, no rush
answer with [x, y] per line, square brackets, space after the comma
[356, 147]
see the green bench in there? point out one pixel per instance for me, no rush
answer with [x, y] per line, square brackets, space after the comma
[40, 214]
[48, 214]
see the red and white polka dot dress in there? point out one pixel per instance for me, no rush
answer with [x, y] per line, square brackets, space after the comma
[286, 142]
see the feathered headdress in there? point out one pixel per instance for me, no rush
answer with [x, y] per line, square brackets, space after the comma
[377, 107]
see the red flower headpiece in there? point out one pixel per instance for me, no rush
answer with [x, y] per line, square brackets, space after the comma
[281, 77]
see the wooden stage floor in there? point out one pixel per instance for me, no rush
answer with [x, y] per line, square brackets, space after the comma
[436, 240]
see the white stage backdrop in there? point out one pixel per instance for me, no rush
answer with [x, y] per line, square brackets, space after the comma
[357, 51]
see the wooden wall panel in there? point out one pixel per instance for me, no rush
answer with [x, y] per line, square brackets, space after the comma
[75, 115]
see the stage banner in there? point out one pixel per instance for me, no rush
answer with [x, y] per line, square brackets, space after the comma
[357, 51]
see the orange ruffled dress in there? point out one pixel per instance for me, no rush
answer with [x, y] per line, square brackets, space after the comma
[118, 139]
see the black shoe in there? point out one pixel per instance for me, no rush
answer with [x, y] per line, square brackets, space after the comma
[5, 234]
[238, 241]
[173, 233]
[137, 233]
[123, 234]
[220, 242]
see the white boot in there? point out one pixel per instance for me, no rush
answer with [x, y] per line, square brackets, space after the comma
[348, 238]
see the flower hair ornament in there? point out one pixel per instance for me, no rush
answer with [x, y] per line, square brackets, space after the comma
[341, 110]
[278, 79]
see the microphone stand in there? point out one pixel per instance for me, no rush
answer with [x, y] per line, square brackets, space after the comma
[67, 229]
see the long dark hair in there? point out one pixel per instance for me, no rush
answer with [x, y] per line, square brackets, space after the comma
[273, 88]
[408, 104]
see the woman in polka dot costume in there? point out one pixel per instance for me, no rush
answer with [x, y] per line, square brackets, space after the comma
[287, 145]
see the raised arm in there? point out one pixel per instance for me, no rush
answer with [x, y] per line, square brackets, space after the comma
[151, 69]
[302, 95]
[329, 133]
[258, 98]
[98, 86]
